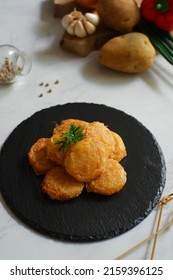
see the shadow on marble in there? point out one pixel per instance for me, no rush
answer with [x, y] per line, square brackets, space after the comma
[92, 70]
[163, 74]
[51, 30]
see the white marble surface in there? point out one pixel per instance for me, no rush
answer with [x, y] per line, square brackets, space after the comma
[30, 26]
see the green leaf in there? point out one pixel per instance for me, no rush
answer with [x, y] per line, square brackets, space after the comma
[72, 136]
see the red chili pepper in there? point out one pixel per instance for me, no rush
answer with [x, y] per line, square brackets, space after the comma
[159, 12]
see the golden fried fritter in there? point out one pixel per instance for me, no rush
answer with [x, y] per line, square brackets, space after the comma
[119, 148]
[37, 156]
[112, 179]
[53, 152]
[65, 125]
[99, 131]
[59, 185]
[79, 152]
[86, 159]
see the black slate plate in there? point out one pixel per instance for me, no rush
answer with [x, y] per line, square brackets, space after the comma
[90, 216]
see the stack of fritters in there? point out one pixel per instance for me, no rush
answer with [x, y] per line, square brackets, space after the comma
[93, 162]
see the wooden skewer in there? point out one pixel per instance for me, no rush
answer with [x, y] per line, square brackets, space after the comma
[157, 229]
[163, 201]
[145, 240]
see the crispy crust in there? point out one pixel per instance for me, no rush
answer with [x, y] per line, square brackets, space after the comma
[119, 148]
[94, 160]
[99, 131]
[112, 179]
[65, 125]
[86, 159]
[59, 185]
[37, 156]
[52, 148]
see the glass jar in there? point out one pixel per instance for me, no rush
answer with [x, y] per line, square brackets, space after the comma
[13, 63]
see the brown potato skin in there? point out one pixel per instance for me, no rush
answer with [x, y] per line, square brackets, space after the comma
[120, 15]
[130, 53]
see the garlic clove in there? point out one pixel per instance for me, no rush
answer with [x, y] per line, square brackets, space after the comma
[80, 30]
[90, 28]
[92, 18]
[71, 28]
[80, 25]
[66, 20]
[77, 15]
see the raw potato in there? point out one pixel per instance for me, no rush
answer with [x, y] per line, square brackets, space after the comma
[131, 53]
[120, 15]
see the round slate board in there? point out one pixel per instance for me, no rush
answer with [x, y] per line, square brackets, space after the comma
[90, 216]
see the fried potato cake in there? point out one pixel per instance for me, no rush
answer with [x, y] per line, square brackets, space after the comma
[112, 179]
[37, 156]
[119, 148]
[93, 159]
[59, 185]
[86, 159]
[102, 133]
[53, 151]
[65, 125]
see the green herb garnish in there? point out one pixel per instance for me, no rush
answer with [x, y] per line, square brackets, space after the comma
[72, 136]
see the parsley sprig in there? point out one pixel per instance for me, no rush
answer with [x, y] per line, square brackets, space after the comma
[72, 136]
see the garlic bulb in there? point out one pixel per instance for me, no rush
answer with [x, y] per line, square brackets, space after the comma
[80, 25]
